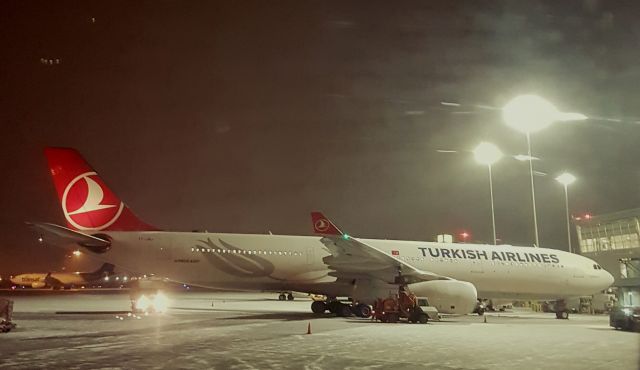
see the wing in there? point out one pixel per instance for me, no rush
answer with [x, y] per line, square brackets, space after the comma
[352, 258]
[69, 236]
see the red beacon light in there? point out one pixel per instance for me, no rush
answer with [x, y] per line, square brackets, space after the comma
[464, 235]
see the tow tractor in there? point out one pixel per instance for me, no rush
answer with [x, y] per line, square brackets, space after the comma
[147, 296]
[403, 305]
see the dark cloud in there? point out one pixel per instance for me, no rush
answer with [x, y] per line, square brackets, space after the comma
[244, 116]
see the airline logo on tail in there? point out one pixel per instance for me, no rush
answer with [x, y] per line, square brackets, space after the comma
[88, 204]
[322, 225]
[86, 201]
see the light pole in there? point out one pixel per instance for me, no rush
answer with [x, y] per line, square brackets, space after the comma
[529, 114]
[488, 154]
[567, 179]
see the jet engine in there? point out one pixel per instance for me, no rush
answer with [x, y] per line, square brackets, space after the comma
[99, 246]
[448, 296]
[38, 284]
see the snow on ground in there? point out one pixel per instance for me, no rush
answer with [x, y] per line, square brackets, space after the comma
[255, 331]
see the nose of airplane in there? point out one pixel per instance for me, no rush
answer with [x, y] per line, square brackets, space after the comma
[608, 278]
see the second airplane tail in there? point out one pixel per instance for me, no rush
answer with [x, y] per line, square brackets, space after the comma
[106, 268]
[88, 204]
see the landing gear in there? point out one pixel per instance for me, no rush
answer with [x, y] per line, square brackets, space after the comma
[480, 308]
[562, 315]
[318, 307]
[344, 310]
[338, 308]
[333, 306]
[285, 296]
[561, 309]
[341, 309]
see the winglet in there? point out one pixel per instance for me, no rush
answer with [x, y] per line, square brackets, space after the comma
[322, 225]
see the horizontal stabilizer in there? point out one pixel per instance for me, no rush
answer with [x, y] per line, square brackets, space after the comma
[69, 235]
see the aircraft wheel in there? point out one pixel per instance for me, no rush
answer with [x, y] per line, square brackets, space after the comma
[480, 311]
[343, 310]
[333, 306]
[289, 297]
[282, 297]
[318, 307]
[563, 315]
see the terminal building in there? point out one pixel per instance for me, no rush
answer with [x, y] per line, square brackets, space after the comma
[613, 240]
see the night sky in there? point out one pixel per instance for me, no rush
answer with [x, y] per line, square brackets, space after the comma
[244, 116]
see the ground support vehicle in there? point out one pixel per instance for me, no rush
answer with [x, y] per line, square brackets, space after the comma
[404, 305]
[625, 318]
[6, 311]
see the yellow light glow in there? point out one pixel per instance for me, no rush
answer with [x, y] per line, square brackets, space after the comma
[529, 113]
[487, 154]
[566, 179]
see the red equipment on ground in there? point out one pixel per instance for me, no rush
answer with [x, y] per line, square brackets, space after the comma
[403, 305]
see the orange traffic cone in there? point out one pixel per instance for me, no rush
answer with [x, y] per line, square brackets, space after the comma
[309, 328]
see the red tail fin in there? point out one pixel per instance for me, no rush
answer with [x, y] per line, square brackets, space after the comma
[322, 225]
[87, 202]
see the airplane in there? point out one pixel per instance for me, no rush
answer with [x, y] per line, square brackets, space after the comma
[60, 280]
[332, 263]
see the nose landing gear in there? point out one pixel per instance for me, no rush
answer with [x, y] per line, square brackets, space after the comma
[561, 309]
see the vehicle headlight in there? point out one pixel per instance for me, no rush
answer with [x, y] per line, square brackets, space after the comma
[143, 303]
[160, 302]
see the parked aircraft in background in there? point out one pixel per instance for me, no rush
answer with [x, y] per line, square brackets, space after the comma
[60, 280]
[333, 264]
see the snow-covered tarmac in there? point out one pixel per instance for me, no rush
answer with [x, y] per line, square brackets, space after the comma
[256, 331]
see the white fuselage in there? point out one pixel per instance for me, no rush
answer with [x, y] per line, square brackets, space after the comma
[277, 263]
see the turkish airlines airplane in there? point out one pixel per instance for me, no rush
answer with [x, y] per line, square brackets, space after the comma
[333, 264]
[59, 280]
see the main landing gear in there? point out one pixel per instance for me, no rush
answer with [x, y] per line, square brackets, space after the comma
[285, 297]
[341, 309]
[561, 309]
